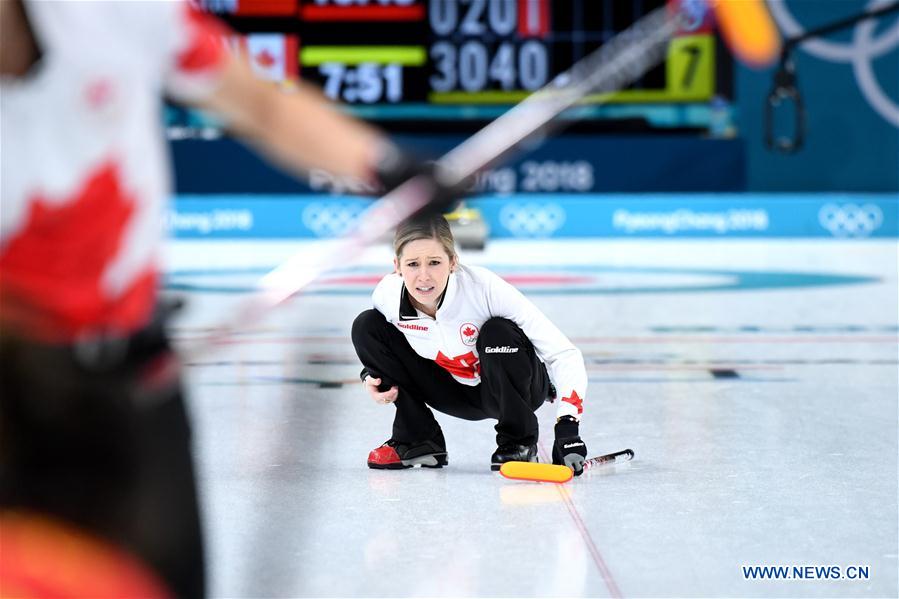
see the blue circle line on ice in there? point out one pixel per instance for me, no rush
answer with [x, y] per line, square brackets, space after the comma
[536, 280]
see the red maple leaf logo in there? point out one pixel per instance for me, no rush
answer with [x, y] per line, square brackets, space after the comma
[98, 93]
[576, 401]
[468, 332]
[466, 366]
[265, 59]
[53, 266]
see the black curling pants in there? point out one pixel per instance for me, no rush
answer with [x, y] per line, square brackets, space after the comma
[99, 449]
[513, 384]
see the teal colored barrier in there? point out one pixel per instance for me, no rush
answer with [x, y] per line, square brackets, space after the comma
[536, 216]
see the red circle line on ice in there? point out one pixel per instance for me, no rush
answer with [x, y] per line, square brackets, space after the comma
[549, 279]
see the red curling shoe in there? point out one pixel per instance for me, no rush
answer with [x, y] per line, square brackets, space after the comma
[395, 455]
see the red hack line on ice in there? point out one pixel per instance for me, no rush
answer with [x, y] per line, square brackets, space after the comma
[604, 571]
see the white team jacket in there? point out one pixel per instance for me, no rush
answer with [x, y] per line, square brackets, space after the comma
[84, 178]
[474, 295]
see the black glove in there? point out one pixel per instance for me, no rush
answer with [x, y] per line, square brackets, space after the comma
[394, 167]
[568, 449]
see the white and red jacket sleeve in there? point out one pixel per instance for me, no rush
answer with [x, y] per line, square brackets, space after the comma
[198, 53]
[563, 360]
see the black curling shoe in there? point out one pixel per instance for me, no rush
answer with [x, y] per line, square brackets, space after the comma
[513, 452]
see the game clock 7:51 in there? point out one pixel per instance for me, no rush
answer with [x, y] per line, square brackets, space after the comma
[365, 83]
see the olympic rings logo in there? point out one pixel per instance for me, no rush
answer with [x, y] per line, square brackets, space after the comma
[865, 47]
[693, 13]
[330, 219]
[850, 220]
[532, 220]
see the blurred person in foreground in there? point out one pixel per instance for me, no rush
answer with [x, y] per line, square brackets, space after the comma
[90, 433]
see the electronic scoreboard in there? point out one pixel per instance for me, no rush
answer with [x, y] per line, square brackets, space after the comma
[456, 60]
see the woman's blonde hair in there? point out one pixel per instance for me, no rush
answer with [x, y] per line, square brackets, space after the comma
[432, 226]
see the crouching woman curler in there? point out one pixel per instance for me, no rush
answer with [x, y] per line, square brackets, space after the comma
[461, 340]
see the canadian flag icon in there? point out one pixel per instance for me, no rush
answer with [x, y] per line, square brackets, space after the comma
[273, 56]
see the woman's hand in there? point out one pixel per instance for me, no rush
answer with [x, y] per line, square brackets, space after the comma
[370, 384]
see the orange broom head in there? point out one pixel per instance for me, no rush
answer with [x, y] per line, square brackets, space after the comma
[749, 31]
[40, 557]
[547, 473]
